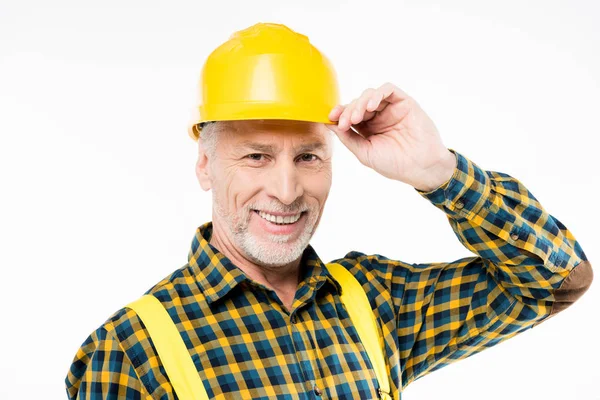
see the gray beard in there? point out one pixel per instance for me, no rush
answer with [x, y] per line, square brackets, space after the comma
[275, 250]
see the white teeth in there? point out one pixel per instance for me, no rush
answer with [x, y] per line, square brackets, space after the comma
[278, 219]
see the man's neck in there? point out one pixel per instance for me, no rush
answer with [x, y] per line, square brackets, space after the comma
[282, 279]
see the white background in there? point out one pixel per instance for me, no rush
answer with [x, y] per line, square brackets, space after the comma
[99, 201]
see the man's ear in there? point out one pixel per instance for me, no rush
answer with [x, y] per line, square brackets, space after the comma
[202, 169]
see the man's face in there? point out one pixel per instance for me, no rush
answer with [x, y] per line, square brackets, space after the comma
[270, 180]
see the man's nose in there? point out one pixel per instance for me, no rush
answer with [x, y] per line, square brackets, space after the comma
[284, 183]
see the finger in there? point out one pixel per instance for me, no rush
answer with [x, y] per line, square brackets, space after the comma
[344, 121]
[390, 93]
[335, 112]
[352, 140]
[358, 114]
[376, 103]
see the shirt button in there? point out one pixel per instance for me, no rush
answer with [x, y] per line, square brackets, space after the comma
[460, 204]
[514, 236]
[318, 391]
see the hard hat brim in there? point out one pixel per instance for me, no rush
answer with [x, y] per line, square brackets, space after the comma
[261, 110]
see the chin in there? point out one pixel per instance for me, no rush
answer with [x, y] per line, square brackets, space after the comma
[276, 250]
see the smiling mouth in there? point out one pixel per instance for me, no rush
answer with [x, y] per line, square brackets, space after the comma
[278, 219]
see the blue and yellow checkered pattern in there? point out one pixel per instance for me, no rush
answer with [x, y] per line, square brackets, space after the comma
[246, 345]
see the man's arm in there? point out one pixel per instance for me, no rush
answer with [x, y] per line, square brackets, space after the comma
[529, 267]
[102, 370]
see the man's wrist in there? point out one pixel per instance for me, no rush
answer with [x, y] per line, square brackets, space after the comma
[467, 191]
[440, 173]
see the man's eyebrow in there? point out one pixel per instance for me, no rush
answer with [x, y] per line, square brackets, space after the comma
[261, 147]
[311, 147]
[268, 148]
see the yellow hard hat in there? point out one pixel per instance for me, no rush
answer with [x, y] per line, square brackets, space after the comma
[267, 71]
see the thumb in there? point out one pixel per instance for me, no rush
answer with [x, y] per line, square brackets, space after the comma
[351, 139]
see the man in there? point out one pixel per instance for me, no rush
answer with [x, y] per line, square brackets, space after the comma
[260, 313]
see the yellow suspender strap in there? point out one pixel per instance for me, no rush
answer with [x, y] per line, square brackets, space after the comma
[357, 304]
[183, 374]
[171, 349]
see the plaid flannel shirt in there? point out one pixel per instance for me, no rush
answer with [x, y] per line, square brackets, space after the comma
[245, 344]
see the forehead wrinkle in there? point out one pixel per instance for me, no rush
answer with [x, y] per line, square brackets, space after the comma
[270, 148]
[258, 146]
[268, 136]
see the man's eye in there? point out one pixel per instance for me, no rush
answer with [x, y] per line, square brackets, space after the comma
[255, 156]
[307, 157]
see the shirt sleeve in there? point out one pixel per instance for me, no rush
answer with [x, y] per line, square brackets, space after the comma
[102, 370]
[529, 266]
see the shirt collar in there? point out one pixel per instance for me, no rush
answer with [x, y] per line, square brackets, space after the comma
[217, 275]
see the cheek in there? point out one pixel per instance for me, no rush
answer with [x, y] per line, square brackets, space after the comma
[239, 187]
[317, 185]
